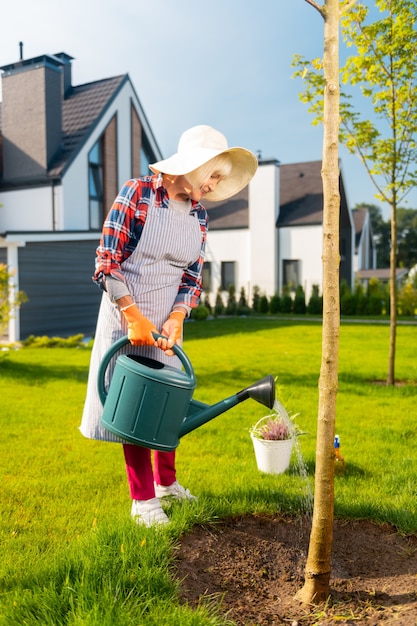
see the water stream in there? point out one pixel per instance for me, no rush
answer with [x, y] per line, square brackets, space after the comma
[298, 464]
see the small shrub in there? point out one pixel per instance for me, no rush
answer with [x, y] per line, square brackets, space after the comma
[243, 307]
[76, 341]
[19, 297]
[275, 304]
[231, 306]
[315, 304]
[200, 313]
[344, 288]
[374, 305]
[375, 299]
[255, 299]
[348, 304]
[299, 306]
[286, 304]
[263, 305]
[360, 300]
[219, 305]
[407, 300]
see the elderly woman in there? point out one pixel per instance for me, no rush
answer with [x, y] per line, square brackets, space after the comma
[149, 264]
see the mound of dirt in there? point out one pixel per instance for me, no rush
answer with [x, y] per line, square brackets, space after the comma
[254, 566]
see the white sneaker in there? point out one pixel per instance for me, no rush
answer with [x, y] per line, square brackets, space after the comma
[175, 490]
[148, 512]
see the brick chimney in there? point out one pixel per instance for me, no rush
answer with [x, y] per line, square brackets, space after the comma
[33, 91]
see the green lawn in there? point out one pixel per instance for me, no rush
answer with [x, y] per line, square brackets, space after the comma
[70, 553]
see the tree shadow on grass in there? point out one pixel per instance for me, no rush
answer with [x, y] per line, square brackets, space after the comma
[220, 327]
[238, 379]
[35, 374]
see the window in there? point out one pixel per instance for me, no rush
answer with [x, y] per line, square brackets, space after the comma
[95, 185]
[291, 273]
[207, 276]
[228, 275]
[146, 156]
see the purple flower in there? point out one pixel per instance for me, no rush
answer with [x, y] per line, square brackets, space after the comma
[275, 430]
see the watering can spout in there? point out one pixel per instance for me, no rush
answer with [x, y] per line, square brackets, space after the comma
[263, 392]
[198, 414]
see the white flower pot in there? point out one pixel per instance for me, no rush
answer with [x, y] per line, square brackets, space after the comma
[272, 457]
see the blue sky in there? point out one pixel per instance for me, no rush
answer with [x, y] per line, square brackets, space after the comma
[226, 63]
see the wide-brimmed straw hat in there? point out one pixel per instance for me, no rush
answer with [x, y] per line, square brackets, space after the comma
[200, 144]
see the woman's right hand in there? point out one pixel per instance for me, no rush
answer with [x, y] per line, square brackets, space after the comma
[140, 329]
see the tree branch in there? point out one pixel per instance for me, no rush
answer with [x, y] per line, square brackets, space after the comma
[349, 4]
[314, 4]
[365, 162]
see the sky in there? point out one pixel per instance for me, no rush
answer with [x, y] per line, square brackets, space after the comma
[226, 63]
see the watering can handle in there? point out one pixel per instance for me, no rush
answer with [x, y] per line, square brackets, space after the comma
[179, 352]
[123, 341]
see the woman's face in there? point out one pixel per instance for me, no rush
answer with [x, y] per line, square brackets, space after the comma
[208, 185]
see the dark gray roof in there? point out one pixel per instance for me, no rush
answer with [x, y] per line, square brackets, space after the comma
[301, 194]
[382, 274]
[233, 213]
[82, 109]
[359, 216]
[301, 199]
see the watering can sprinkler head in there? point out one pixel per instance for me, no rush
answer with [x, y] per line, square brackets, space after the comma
[262, 391]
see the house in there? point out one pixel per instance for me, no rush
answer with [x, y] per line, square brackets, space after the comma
[382, 275]
[365, 261]
[64, 152]
[269, 235]
[365, 250]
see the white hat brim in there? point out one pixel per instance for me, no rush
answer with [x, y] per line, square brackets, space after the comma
[244, 166]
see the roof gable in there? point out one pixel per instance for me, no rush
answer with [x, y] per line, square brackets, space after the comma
[301, 194]
[359, 219]
[82, 109]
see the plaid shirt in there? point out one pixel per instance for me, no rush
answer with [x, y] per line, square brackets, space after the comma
[123, 227]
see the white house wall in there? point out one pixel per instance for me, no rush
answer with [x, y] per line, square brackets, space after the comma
[263, 214]
[26, 209]
[253, 249]
[304, 244]
[75, 180]
[229, 245]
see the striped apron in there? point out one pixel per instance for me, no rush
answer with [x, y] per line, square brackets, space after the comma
[170, 242]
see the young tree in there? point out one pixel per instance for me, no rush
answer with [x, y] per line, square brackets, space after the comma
[10, 299]
[385, 70]
[317, 571]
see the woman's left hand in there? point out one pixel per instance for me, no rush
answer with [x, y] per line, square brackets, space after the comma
[172, 330]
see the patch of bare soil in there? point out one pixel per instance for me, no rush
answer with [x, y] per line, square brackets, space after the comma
[254, 565]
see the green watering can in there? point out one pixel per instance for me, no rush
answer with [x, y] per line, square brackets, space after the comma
[150, 403]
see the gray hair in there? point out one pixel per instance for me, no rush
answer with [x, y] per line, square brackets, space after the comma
[220, 164]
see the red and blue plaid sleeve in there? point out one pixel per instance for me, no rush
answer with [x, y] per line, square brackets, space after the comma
[122, 228]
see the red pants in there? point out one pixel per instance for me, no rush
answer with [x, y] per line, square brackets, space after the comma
[140, 474]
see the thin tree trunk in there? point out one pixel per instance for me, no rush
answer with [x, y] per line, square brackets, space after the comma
[393, 296]
[317, 571]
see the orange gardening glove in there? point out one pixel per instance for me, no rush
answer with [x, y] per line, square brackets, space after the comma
[172, 329]
[140, 329]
